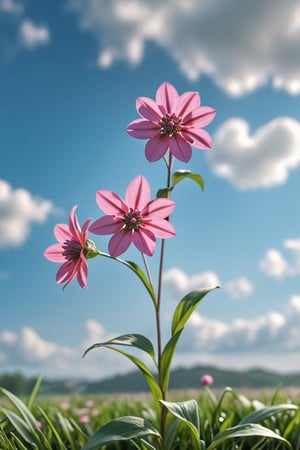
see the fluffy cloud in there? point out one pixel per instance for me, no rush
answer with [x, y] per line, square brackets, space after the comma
[32, 35]
[29, 352]
[273, 331]
[261, 160]
[95, 333]
[241, 343]
[181, 283]
[240, 44]
[239, 287]
[10, 7]
[19, 32]
[27, 348]
[18, 211]
[277, 266]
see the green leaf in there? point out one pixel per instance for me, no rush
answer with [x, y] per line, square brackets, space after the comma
[182, 174]
[121, 429]
[21, 427]
[147, 444]
[264, 413]
[166, 359]
[171, 434]
[163, 193]
[52, 426]
[148, 375]
[131, 340]
[138, 271]
[22, 408]
[34, 392]
[188, 413]
[21, 446]
[245, 431]
[186, 307]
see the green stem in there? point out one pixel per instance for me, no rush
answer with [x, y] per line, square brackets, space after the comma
[157, 309]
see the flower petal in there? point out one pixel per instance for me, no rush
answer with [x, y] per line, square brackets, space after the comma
[66, 272]
[119, 242]
[84, 232]
[199, 117]
[111, 203]
[198, 138]
[144, 240]
[180, 148]
[161, 228]
[187, 102]
[167, 98]
[159, 208]
[82, 272]
[156, 148]
[105, 225]
[147, 108]
[143, 129]
[54, 253]
[138, 193]
[74, 225]
[62, 232]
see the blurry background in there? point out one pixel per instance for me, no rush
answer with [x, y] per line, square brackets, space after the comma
[70, 72]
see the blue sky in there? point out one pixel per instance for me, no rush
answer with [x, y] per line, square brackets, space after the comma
[70, 72]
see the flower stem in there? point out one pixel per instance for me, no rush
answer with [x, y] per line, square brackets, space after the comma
[163, 417]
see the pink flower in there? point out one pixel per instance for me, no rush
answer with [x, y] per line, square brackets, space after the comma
[84, 419]
[206, 380]
[90, 403]
[134, 220]
[172, 122]
[72, 250]
[38, 424]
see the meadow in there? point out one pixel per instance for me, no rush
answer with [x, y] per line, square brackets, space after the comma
[69, 422]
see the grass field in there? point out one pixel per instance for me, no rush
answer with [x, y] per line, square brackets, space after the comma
[62, 422]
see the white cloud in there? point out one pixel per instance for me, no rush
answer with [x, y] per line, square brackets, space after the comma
[273, 264]
[179, 282]
[29, 352]
[277, 266]
[32, 35]
[240, 44]
[95, 333]
[293, 246]
[261, 160]
[18, 211]
[273, 331]
[239, 288]
[27, 348]
[10, 7]
[244, 342]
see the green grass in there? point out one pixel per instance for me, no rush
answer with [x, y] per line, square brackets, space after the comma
[56, 423]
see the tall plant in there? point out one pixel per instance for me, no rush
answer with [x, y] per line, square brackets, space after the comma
[171, 124]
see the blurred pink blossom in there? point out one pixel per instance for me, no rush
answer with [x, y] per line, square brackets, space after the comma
[84, 419]
[65, 405]
[90, 403]
[38, 424]
[135, 220]
[172, 122]
[206, 380]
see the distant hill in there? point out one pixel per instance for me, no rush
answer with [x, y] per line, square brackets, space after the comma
[181, 379]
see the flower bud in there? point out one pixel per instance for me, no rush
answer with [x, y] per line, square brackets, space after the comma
[90, 249]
